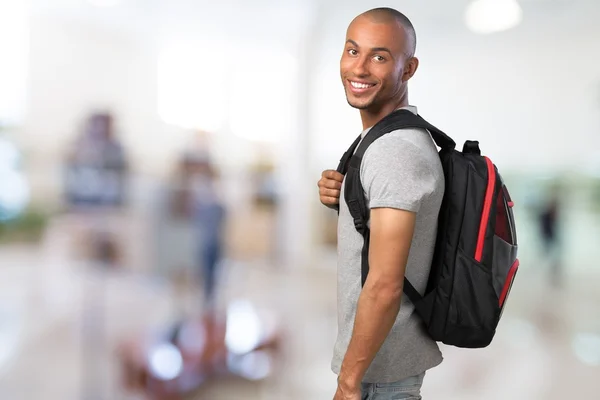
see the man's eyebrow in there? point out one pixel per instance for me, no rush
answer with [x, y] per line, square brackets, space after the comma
[378, 49]
[373, 50]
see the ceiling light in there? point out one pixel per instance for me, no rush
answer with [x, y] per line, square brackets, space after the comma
[489, 16]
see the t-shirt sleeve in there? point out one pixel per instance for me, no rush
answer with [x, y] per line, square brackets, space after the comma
[395, 174]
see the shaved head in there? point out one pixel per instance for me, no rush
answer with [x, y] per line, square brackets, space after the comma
[385, 15]
[377, 62]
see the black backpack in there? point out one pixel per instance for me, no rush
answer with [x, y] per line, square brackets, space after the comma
[475, 256]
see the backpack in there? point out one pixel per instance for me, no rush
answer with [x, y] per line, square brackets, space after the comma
[475, 256]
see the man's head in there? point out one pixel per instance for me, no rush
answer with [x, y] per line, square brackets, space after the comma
[378, 59]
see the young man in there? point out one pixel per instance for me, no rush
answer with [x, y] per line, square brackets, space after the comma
[382, 352]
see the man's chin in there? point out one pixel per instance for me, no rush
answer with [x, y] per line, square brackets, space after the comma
[359, 105]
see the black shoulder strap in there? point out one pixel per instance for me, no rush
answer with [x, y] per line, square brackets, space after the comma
[354, 192]
[403, 119]
[343, 165]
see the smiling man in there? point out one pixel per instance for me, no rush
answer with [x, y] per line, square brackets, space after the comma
[382, 352]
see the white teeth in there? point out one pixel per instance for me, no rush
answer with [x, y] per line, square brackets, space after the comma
[360, 85]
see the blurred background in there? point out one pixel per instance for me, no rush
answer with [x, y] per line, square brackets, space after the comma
[160, 230]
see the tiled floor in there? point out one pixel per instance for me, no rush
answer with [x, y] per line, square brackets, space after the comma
[545, 348]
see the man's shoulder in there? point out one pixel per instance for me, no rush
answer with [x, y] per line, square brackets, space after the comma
[412, 142]
[407, 153]
[418, 137]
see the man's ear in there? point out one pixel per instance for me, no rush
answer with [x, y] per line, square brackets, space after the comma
[410, 67]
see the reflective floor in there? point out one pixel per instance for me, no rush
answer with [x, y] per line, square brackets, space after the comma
[60, 324]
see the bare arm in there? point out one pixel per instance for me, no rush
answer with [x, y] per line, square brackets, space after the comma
[379, 302]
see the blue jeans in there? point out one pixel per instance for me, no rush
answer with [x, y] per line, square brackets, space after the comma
[406, 389]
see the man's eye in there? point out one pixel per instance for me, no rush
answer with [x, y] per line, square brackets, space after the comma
[379, 58]
[352, 52]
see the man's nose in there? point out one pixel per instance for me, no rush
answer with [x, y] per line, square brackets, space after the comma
[361, 67]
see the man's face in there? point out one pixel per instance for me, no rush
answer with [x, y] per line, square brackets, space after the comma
[372, 64]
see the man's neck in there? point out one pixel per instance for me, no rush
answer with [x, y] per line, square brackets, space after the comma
[371, 117]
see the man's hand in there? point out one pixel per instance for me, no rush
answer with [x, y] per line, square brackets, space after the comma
[345, 392]
[330, 186]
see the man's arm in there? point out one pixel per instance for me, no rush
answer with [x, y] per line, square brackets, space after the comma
[379, 302]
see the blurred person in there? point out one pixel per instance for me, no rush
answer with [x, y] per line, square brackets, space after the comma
[208, 216]
[548, 219]
[97, 165]
[176, 238]
[381, 351]
[95, 188]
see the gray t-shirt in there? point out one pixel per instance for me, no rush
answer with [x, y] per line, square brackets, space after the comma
[400, 170]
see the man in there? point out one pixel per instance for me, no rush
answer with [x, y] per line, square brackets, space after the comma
[382, 351]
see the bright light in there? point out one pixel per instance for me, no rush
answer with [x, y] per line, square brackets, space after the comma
[489, 16]
[243, 328]
[191, 87]
[14, 189]
[14, 194]
[9, 155]
[166, 362]
[104, 3]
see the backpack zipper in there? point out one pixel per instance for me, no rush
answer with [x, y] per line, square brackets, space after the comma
[487, 206]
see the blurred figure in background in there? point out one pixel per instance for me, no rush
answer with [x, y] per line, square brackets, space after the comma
[548, 219]
[96, 174]
[96, 165]
[208, 217]
[190, 234]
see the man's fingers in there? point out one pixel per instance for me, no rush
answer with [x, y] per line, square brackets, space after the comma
[331, 184]
[325, 192]
[333, 174]
[329, 200]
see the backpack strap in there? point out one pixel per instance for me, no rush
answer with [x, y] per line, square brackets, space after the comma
[343, 165]
[404, 119]
[354, 191]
